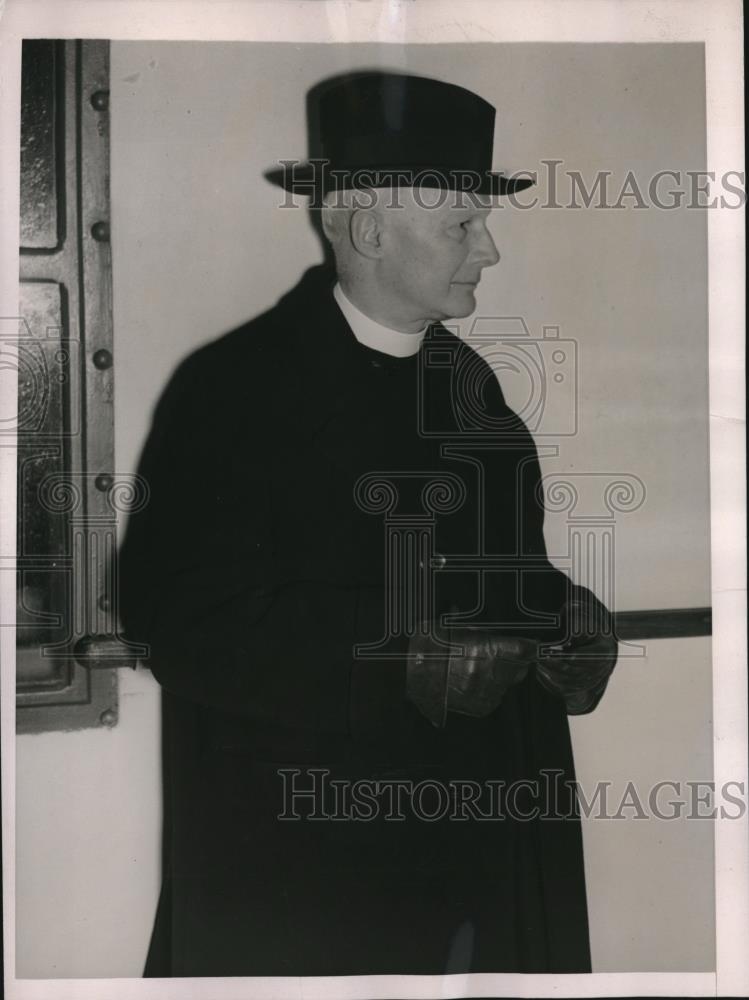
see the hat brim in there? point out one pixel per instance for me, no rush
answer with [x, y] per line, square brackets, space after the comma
[309, 179]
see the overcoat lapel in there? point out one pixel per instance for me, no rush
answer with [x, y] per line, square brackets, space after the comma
[327, 369]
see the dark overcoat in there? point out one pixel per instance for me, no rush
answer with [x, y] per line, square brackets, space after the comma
[298, 483]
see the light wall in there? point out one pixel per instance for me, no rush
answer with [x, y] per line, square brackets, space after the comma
[199, 245]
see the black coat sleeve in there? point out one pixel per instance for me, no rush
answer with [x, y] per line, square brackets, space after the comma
[540, 591]
[197, 581]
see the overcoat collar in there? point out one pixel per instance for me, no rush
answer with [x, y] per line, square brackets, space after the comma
[325, 367]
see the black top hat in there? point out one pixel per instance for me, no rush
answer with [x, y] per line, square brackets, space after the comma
[377, 129]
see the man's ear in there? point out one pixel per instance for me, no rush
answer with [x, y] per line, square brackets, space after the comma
[327, 222]
[366, 232]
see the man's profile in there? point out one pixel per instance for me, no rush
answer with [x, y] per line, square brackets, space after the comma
[367, 659]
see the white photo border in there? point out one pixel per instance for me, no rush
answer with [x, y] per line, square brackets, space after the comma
[717, 24]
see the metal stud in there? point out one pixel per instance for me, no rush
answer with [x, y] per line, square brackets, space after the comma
[103, 482]
[100, 232]
[100, 100]
[102, 359]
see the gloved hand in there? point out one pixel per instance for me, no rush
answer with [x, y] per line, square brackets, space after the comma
[470, 674]
[578, 670]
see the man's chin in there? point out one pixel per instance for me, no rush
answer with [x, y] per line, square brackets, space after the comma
[462, 301]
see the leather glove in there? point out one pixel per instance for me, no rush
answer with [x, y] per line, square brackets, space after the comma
[578, 670]
[470, 674]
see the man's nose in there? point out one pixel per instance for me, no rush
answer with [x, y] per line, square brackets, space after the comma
[485, 252]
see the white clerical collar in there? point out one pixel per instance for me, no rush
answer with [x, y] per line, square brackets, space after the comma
[372, 334]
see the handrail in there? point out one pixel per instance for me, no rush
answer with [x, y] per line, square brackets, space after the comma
[106, 652]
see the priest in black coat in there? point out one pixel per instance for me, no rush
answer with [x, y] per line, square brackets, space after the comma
[367, 660]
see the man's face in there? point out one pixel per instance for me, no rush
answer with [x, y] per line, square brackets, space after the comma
[433, 257]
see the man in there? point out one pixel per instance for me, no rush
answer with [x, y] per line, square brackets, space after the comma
[366, 658]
